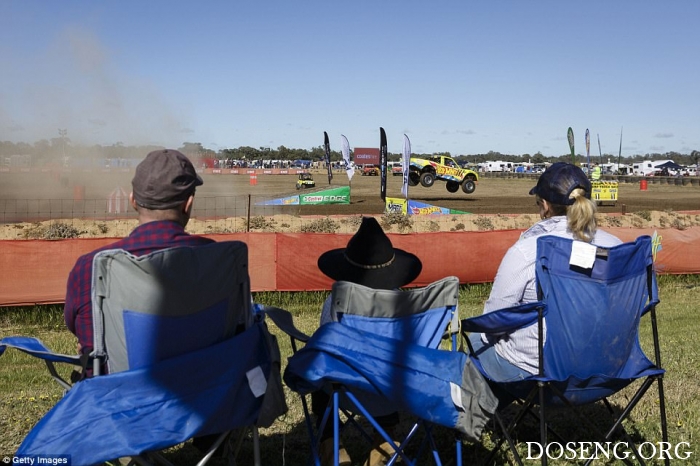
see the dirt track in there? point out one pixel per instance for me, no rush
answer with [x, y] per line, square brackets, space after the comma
[509, 196]
[492, 196]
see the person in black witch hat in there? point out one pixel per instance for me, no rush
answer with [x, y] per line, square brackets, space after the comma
[371, 260]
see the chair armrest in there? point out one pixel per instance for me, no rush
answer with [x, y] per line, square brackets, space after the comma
[36, 348]
[505, 320]
[283, 320]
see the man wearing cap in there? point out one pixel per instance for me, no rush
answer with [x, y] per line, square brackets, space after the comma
[163, 190]
[369, 259]
[562, 195]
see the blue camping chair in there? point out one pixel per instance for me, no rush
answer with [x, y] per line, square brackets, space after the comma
[591, 350]
[186, 356]
[381, 354]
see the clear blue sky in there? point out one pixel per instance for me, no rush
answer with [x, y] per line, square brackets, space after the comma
[460, 76]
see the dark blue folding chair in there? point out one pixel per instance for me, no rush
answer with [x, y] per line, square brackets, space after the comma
[591, 349]
[185, 352]
[381, 355]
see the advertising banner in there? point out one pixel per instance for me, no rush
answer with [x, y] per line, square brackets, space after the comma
[409, 207]
[366, 155]
[339, 195]
[291, 200]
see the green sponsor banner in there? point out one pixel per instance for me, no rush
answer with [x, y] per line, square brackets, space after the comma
[339, 195]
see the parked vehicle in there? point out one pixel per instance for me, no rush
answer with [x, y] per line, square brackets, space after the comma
[496, 166]
[647, 167]
[395, 168]
[370, 170]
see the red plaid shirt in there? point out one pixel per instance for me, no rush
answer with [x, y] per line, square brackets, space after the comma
[146, 238]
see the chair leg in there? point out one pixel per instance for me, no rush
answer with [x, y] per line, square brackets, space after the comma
[256, 447]
[662, 414]
[543, 421]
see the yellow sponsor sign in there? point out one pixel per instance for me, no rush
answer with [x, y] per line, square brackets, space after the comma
[396, 205]
[604, 191]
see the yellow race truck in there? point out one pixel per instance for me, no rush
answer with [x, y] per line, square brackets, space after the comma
[439, 167]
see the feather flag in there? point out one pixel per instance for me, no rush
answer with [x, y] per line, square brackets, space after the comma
[406, 161]
[382, 163]
[588, 149]
[570, 137]
[327, 148]
[345, 149]
[619, 154]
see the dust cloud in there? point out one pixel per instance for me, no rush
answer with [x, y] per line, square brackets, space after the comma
[79, 84]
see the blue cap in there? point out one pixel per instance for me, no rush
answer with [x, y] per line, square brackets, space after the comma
[558, 181]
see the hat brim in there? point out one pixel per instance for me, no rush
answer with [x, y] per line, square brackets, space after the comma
[403, 270]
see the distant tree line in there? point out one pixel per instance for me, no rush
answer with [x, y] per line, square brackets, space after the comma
[54, 151]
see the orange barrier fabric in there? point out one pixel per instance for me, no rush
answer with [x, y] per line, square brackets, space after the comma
[35, 271]
[675, 252]
[471, 256]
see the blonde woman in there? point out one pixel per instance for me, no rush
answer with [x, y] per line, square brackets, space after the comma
[562, 195]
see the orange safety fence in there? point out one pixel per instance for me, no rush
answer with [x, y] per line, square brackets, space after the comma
[35, 271]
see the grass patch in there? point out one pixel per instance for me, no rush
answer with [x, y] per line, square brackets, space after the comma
[27, 391]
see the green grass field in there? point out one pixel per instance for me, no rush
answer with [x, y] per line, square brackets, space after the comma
[27, 391]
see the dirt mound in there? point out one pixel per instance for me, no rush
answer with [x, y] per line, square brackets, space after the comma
[75, 228]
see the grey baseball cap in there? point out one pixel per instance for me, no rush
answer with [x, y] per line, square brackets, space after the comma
[164, 180]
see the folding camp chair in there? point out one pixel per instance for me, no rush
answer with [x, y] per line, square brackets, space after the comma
[186, 356]
[381, 355]
[593, 300]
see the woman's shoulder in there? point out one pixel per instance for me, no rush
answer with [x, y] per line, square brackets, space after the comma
[605, 239]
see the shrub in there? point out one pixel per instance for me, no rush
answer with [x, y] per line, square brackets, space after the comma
[614, 221]
[484, 223]
[320, 225]
[645, 214]
[353, 221]
[261, 223]
[402, 222]
[58, 230]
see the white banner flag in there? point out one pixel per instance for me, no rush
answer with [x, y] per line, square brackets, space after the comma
[405, 164]
[345, 149]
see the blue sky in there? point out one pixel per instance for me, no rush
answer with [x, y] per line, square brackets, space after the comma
[460, 76]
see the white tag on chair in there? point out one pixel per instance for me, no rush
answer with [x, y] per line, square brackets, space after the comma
[257, 381]
[456, 394]
[582, 254]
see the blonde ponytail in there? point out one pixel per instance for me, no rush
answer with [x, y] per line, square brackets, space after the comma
[581, 216]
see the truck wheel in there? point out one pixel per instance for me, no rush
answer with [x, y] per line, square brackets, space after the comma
[427, 179]
[452, 186]
[468, 186]
[413, 179]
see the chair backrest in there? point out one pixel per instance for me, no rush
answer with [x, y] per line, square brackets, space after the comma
[593, 313]
[169, 302]
[418, 315]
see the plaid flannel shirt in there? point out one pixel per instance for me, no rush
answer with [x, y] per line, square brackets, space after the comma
[146, 238]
